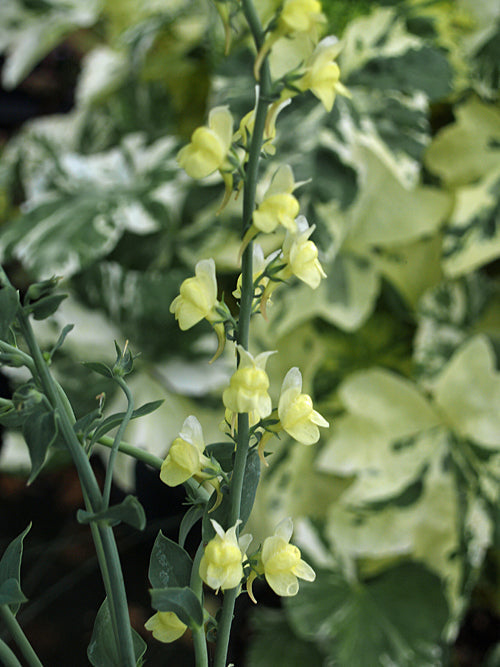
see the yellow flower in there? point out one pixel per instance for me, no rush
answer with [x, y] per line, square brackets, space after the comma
[301, 255]
[295, 410]
[322, 75]
[247, 391]
[300, 16]
[282, 562]
[209, 146]
[198, 296]
[221, 565]
[165, 626]
[297, 17]
[185, 457]
[279, 206]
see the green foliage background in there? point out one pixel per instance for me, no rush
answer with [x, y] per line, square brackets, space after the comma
[398, 506]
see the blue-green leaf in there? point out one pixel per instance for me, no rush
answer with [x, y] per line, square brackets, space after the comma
[102, 650]
[182, 601]
[129, 511]
[9, 303]
[169, 565]
[10, 572]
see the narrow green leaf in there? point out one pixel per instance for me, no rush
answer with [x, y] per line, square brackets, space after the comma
[40, 432]
[102, 650]
[11, 593]
[98, 367]
[130, 511]
[169, 565]
[10, 569]
[194, 514]
[221, 514]
[182, 601]
[46, 306]
[9, 303]
[115, 420]
[223, 452]
[61, 339]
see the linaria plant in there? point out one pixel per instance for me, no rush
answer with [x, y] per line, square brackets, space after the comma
[220, 479]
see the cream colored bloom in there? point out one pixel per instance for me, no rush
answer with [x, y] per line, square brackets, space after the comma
[300, 16]
[166, 626]
[247, 391]
[295, 410]
[197, 297]
[279, 206]
[185, 457]
[322, 75]
[209, 146]
[221, 565]
[301, 255]
[282, 562]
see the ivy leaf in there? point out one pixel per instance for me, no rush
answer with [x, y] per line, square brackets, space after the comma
[182, 601]
[275, 644]
[365, 624]
[169, 565]
[10, 573]
[468, 392]
[385, 438]
[130, 511]
[102, 650]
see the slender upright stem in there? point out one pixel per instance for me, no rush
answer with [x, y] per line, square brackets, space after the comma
[7, 656]
[246, 302]
[196, 585]
[106, 549]
[118, 437]
[19, 637]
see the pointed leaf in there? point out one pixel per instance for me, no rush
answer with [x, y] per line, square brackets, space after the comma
[115, 420]
[10, 569]
[9, 303]
[169, 565]
[40, 432]
[130, 511]
[99, 367]
[182, 601]
[102, 650]
[194, 514]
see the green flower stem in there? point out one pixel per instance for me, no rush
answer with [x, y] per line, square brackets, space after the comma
[154, 462]
[135, 452]
[7, 657]
[108, 554]
[114, 450]
[246, 303]
[19, 637]
[199, 638]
